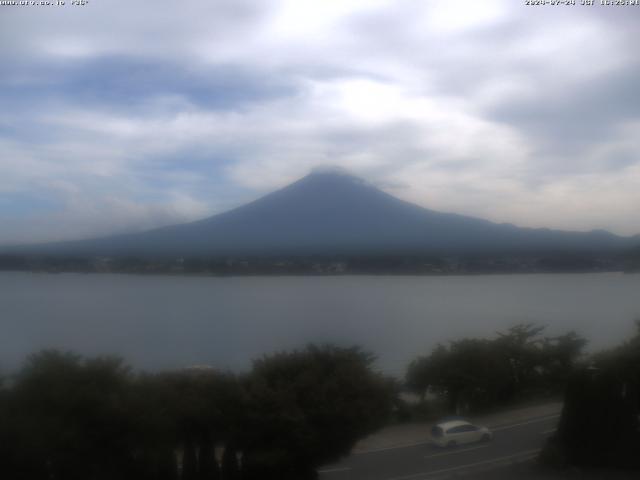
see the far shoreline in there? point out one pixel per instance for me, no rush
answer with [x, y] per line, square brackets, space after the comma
[321, 275]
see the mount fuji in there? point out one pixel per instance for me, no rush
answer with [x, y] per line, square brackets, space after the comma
[335, 213]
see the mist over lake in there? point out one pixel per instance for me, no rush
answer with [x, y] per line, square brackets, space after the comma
[158, 322]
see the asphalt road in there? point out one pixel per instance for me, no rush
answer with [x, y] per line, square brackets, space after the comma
[511, 443]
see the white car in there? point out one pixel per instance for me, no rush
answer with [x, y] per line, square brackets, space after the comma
[458, 432]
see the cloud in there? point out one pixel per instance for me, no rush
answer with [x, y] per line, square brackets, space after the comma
[123, 116]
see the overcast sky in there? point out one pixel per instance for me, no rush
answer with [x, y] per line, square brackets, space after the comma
[121, 115]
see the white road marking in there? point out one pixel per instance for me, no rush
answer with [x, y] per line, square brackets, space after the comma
[395, 447]
[549, 417]
[335, 470]
[524, 454]
[547, 432]
[455, 451]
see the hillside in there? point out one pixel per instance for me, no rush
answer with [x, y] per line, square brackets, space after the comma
[333, 214]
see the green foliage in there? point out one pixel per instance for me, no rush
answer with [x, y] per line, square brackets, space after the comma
[70, 419]
[66, 417]
[476, 374]
[600, 423]
[309, 407]
[188, 411]
[559, 357]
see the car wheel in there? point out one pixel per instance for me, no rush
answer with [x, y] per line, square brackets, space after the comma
[486, 437]
[452, 444]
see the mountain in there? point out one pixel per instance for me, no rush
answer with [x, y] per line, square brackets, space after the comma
[331, 213]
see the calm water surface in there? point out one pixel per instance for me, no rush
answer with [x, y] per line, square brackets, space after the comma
[168, 322]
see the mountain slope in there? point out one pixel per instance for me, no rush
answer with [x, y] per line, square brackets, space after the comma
[334, 213]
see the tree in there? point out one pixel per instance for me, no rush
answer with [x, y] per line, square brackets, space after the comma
[559, 357]
[520, 345]
[73, 419]
[309, 407]
[190, 411]
[600, 421]
[476, 374]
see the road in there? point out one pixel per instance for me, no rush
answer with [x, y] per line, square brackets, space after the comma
[512, 443]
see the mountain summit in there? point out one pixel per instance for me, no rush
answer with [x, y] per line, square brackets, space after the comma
[331, 212]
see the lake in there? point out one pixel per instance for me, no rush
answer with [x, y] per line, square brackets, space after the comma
[171, 321]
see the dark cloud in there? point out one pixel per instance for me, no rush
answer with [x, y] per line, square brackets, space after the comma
[116, 83]
[572, 116]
